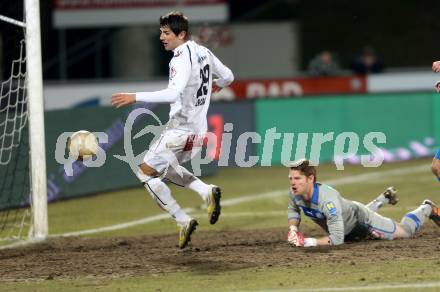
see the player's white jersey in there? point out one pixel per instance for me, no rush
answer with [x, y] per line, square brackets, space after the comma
[191, 71]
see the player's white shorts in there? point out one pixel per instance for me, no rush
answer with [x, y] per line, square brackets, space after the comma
[173, 146]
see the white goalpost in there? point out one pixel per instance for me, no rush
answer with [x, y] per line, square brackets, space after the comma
[23, 157]
[39, 227]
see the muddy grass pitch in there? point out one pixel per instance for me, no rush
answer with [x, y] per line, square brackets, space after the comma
[209, 252]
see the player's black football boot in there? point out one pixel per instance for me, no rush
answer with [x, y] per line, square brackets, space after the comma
[213, 202]
[435, 213]
[186, 231]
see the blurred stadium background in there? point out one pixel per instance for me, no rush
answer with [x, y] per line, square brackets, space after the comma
[91, 49]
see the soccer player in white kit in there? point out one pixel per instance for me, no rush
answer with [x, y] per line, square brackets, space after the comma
[189, 91]
[341, 218]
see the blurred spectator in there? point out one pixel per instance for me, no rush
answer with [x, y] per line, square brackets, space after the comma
[436, 66]
[323, 64]
[367, 62]
[436, 69]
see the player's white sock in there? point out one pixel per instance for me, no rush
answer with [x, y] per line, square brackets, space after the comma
[181, 217]
[161, 194]
[200, 187]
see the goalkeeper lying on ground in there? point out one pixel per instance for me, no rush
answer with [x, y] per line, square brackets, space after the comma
[343, 219]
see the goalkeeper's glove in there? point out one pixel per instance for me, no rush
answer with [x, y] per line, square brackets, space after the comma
[294, 236]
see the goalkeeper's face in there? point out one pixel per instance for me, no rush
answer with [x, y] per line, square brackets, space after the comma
[300, 184]
[169, 39]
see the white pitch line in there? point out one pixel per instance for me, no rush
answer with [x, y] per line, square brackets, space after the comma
[360, 288]
[246, 214]
[243, 199]
[121, 225]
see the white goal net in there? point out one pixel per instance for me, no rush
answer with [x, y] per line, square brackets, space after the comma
[17, 219]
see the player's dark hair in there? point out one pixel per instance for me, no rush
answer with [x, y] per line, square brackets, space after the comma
[176, 21]
[305, 168]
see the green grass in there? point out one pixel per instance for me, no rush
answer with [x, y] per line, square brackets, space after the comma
[133, 204]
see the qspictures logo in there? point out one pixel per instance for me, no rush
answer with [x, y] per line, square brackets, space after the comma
[294, 146]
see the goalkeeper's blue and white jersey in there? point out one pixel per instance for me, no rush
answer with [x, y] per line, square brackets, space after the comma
[328, 209]
[190, 72]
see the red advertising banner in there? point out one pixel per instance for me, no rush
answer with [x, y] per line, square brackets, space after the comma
[266, 88]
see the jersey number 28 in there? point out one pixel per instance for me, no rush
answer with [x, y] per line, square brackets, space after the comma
[203, 89]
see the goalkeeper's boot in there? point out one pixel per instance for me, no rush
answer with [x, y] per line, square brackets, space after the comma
[391, 194]
[186, 231]
[435, 213]
[213, 202]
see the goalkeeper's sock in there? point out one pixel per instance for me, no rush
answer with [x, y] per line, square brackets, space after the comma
[413, 221]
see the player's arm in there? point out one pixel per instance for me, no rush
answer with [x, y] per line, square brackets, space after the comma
[335, 223]
[325, 240]
[294, 222]
[168, 95]
[293, 214]
[294, 236]
[435, 166]
[180, 72]
[224, 74]
[311, 241]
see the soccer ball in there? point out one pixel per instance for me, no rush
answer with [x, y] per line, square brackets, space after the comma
[82, 145]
